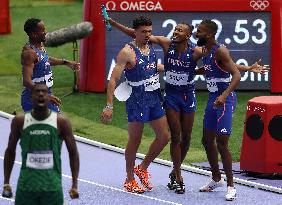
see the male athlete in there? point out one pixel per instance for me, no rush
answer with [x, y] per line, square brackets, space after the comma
[36, 64]
[222, 77]
[41, 133]
[138, 62]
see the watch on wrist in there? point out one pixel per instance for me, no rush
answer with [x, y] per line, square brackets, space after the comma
[64, 61]
[109, 106]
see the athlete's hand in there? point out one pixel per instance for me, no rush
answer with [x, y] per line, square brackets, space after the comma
[107, 115]
[73, 65]
[74, 193]
[55, 100]
[220, 100]
[258, 68]
[7, 191]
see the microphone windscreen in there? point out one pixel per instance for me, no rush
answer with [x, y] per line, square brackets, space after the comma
[68, 34]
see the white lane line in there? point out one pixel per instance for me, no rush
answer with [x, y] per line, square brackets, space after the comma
[12, 200]
[113, 188]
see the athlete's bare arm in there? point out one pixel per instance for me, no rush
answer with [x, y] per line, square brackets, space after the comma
[163, 41]
[256, 67]
[125, 59]
[10, 153]
[71, 64]
[65, 131]
[28, 60]
[226, 63]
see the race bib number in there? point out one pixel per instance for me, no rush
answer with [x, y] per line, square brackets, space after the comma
[212, 86]
[152, 83]
[40, 160]
[176, 78]
[49, 80]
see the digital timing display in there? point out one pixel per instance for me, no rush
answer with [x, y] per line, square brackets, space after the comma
[246, 34]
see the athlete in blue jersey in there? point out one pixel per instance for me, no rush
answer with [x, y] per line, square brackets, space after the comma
[138, 62]
[218, 69]
[36, 64]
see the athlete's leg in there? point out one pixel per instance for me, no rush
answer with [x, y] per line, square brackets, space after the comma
[209, 137]
[187, 120]
[135, 130]
[160, 128]
[208, 141]
[173, 118]
[222, 146]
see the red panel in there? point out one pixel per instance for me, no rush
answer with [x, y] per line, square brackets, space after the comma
[93, 48]
[276, 83]
[263, 155]
[5, 21]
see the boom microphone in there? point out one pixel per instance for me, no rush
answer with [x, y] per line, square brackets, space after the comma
[68, 34]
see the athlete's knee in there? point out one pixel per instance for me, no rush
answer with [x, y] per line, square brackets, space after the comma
[175, 139]
[186, 138]
[207, 142]
[165, 137]
[222, 145]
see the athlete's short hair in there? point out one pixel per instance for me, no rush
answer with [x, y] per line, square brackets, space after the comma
[191, 27]
[141, 21]
[31, 25]
[38, 84]
[210, 25]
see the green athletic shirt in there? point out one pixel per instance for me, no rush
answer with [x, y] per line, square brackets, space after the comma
[41, 147]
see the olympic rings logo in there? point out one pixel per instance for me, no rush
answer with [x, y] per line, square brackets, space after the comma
[259, 4]
[111, 6]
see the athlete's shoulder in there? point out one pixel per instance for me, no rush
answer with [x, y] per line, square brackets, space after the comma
[221, 48]
[61, 118]
[18, 121]
[28, 51]
[126, 53]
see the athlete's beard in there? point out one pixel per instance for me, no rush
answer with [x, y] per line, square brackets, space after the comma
[202, 41]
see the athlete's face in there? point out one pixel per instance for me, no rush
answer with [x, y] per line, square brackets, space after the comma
[40, 96]
[39, 35]
[181, 33]
[143, 34]
[202, 35]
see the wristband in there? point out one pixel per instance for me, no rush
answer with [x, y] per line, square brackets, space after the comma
[109, 106]
[64, 61]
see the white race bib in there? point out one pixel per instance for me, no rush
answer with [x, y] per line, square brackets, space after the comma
[40, 160]
[174, 78]
[153, 83]
[123, 91]
[212, 86]
[49, 80]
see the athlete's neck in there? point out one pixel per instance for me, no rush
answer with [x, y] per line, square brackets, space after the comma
[143, 48]
[38, 45]
[141, 45]
[181, 47]
[39, 114]
[209, 45]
